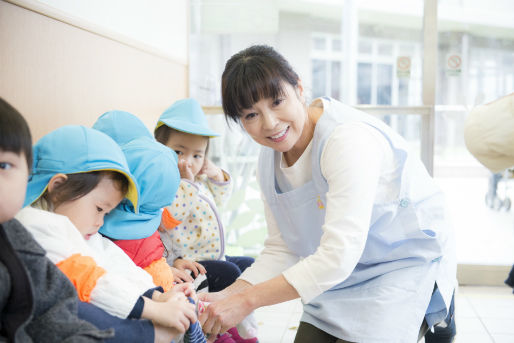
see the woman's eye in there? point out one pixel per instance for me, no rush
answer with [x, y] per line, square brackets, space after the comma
[178, 152]
[277, 102]
[250, 116]
[5, 165]
[198, 156]
[99, 209]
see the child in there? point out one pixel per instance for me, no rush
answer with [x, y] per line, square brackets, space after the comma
[183, 128]
[37, 302]
[155, 169]
[137, 234]
[79, 175]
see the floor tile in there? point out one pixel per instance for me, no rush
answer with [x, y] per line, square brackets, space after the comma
[503, 338]
[499, 325]
[470, 325]
[463, 308]
[473, 338]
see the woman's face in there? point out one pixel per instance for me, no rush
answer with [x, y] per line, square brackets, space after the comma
[278, 123]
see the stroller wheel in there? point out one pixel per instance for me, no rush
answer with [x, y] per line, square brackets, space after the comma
[507, 204]
[489, 200]
[497, 203]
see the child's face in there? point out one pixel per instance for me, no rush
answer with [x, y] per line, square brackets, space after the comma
[87, 212]
[14, 176]
[189, 148]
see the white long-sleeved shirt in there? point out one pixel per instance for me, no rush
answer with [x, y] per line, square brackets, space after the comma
[358, 164]
[116, 291]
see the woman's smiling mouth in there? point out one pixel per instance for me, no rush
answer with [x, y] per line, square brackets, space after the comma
[279, 137]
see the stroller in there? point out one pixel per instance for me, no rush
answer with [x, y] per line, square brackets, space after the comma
[493, 199]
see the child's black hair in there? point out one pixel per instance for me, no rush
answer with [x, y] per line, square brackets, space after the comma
[79, 184]
[14, 132]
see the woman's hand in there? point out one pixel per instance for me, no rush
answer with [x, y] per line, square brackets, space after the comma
[212, 171]
[184, 264]
[223, 314]
[212, 296]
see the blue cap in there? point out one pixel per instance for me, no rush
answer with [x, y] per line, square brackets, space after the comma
[155, 169]
[121, 126]
[76, 149]
[186, 115]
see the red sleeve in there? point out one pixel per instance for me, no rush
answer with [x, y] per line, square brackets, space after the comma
[143, 251]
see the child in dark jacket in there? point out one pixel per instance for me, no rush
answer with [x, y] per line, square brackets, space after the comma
[37, 302]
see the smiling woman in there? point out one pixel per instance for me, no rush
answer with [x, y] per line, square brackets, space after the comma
[357, 227]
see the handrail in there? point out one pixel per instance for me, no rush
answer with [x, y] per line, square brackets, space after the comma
[426, 113]
[372, 109]
[54, 13]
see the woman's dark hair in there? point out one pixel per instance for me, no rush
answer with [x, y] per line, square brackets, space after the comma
[162, 135]
[255, 73]
[80, 184]
[14, 132]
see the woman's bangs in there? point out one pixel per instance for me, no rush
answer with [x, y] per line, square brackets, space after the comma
[254, 84]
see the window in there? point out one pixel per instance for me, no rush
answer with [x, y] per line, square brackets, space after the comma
[326, 63]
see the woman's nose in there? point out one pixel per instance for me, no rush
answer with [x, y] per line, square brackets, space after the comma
[269, 120]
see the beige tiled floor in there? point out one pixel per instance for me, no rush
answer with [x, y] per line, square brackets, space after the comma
[483, 315]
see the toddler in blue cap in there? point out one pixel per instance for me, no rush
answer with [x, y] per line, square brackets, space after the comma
[198, 241]
[155, 168]
[79, 175]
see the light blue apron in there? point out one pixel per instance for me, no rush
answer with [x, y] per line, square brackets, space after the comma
[409, 247]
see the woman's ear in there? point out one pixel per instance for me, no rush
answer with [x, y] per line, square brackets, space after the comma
[56, 181]
[300, 91]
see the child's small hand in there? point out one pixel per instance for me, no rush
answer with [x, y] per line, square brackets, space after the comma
[176, 312]
[181, 276]
[185, 170]
[193, 266]
[212, 171]
[183, 288]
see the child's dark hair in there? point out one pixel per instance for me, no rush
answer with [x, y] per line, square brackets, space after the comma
[162, 135]
[255, 73]
[14, 132]
[80, 184]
